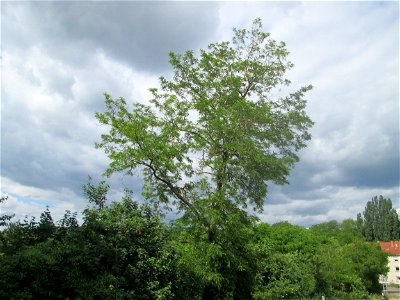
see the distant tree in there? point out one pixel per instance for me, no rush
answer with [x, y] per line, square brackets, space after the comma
[285, 276]
[284, 237]
[349, 232]
[380, 220]
[284, 262]
[4, 218]
[370, 261]
[330, 259]
[336, 275]
[96, 195]
[327, 229]
[360, 224]
[345, 232]
[45, 227]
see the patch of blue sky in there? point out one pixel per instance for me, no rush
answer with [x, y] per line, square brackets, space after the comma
[35, 201]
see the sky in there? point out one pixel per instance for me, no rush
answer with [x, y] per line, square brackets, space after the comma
[58, 58]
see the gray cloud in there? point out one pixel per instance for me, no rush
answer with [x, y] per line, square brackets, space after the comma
[59, 57]
[138, 33]
[64, 55]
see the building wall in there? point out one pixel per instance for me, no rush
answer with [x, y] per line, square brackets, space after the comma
[394, 269]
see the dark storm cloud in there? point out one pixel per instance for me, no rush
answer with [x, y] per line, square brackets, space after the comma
[362, 171]
[385, 175]
[313, 208]
[138, 33]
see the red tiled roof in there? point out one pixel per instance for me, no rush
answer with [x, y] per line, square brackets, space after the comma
[392, 247]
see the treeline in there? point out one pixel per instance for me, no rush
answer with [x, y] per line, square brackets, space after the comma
[124, 250]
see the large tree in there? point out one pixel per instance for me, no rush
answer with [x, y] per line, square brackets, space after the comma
[216, 133]
[380, 221]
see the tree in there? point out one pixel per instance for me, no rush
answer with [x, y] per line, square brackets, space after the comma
[336, 274]
[380, 221]
[4, 219]
[284, 264]
[213, 136]
[345, 232]
[328, 259]
[284, 237]
[349, 232]
[327, 229]
[96, 194]
[46, 227]
[370, 261]
[285, 276]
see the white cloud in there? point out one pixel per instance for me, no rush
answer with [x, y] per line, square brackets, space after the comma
[53, 80]
[329, 203]
[32, 201]
[56, 127]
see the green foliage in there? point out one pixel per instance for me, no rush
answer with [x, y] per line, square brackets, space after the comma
[336, 274]
[369, 261]
[45, 227]
[345, 232]
[119, 252]
[213, 135]
[343, 249]
[96, 194]
[4, 219]
[227, 266]
[285, 276]
[380, 221]
[330, 259]
[350, 232]
[349, 270]
[327, 229]
[124, 251]
[211, 140]
[284, 237]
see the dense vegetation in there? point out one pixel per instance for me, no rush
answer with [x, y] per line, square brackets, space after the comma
[123, 250]
[209, 142]
[379, 221]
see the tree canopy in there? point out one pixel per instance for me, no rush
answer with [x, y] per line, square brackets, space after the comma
[123, 250]
[214, 135]
[379, 221]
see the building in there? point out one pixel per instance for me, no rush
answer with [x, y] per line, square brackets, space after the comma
[393, 249]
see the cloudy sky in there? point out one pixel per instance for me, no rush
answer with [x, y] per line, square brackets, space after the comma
[59, 57]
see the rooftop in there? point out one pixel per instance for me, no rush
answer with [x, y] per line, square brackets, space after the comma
[392, 247]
